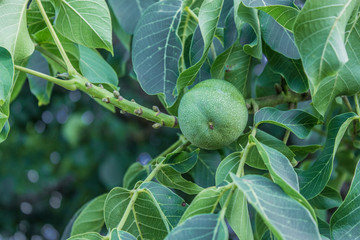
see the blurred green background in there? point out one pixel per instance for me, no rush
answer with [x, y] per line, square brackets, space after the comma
[58, 157]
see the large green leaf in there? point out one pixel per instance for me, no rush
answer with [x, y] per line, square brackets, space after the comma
[13, 30]
[319, 35]
[233, 65]
[172, 206]
[145, 219]
[173, 179]
[91, 218]
[204, 226]
[282, 173]
[248, 26]
[128, 13]
[133, 174]
[278, 38]
[205, 202]
[347, 80]
[283, 11]
[286, 218]
[121, 235]
[6, 74]
[41, 88]
[157, 48]
[86, 22]
[290, 69]
[208, 19]
[95, 68]
[314, 180]
[35, 20]
[297, 121]
[345, 222]
[327, 199]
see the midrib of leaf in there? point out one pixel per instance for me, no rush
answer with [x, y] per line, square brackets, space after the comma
[164, 218]
[167, 41]
[330, 34]
[136, 222]
[23, 10]
[87, 23]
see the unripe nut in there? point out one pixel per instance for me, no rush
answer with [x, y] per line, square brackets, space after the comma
[212, 114]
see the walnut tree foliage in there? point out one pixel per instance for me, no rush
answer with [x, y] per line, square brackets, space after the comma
[297, 63]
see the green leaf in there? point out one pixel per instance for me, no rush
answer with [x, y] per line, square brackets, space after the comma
[347, 80]
[205, 202]
[265, 83]
[282, 173]
[91, 218]
[46, 42]
[95, 68]
[121, 235]
[13, 30]
[35, 20]
[319, 35]
[182, 162]
[324, 228]
[290, 69]
[283, 11]
[301, 152]
[277, 37]
[208, 19]
[327, 199]
[233, 65]
[157, 49]
[145, 219]
[314, 180]
[87, 22]
[297, 121]
[204, 170]
[228, 165]
[4, 131]
[6, 75]
[254, 160]
[41, 88]
[136, 172]
[237, 215]
[87, 236]
[173, 179]
[248, 26]
[128, 13]
[19, 80]
[286, 218]
[172, 206]
[204, 226]
[344, 224]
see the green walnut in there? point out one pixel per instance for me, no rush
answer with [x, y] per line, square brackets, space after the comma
[212, 114]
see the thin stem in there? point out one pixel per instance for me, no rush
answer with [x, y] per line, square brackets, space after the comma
[51, 56]
[357, 107]
[154, 115]
[148, 179]
[347, 103]
[129, 208]
[239, 172]
[274, 100]
[68, 84]
[287, 132]
[191, 13]
[70, 68]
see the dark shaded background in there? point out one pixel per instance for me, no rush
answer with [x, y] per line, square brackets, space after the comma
[60, 156]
